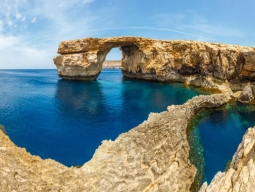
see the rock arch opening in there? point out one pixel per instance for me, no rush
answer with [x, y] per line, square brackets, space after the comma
[83, 59]
[125, 56]
[113, 59]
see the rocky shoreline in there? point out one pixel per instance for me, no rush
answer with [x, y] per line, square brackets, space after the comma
[154, 156]
[161, 60]
[112, 64]
[200, 64]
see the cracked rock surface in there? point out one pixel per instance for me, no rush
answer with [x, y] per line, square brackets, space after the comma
[150, 157]
[246, 95]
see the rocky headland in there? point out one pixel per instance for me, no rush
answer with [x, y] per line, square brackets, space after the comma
[112, 64]
[154, 156]
[192, 62]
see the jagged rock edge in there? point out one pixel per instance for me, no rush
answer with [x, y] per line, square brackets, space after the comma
[102, 172]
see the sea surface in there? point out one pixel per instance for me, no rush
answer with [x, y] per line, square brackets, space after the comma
[215, 134]
[67, 120]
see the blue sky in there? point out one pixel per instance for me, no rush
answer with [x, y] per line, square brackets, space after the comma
[30, 30]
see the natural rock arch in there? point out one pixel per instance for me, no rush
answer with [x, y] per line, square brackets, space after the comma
[183, 61]
[83, 59]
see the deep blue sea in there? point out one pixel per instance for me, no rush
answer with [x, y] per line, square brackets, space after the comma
[216, 134]
[67, 120]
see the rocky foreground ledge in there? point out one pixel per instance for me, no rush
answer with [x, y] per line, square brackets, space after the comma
[153, 156]
[177, 60]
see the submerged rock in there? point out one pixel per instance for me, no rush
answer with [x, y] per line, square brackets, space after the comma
[154, 156]
[246, 95]
[3, 129]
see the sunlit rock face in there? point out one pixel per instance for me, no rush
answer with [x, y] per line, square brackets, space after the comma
[246, 95]
[79, 66]
[154, 156]
[156, 59]
[248, 71]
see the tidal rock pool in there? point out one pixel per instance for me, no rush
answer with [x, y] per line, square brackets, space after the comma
[214, 136]
[67, 120]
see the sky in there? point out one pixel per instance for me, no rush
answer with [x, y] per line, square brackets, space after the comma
[30, 30]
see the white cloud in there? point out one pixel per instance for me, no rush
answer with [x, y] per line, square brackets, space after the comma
[201, 25]
[25, 57]
[164, 19]
[33, 20]
[9, 23]
[34, 48]
[23, 19]
[195, 26]
[57, 13]
[11, 10]
[1, 25]
[8, 41]
[198, 37]
[18, 16]
[16, 54]
[211, 29]
[67, 3]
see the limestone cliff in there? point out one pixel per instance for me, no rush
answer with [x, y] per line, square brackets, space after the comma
[184, 61]
[112, 64]
[246, 96]
[153, 156]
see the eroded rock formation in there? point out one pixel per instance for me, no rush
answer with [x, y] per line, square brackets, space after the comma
[183, 61]
[246, 95]
[151, 157]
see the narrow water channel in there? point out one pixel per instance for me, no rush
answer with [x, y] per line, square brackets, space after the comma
[67, 120]
[214, 136]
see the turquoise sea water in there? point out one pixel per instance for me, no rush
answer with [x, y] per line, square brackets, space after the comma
[216, 134]
[67, 120]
